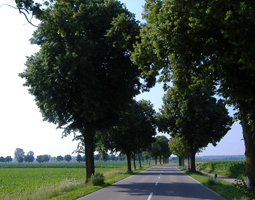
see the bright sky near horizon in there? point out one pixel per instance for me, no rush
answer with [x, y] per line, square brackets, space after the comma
[21, 122]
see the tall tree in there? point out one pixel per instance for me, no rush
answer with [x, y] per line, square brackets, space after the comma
[83, 77]
[133, 132]
[210, 40]
[195, 115]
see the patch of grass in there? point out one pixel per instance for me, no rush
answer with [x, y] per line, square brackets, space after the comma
[225, 189]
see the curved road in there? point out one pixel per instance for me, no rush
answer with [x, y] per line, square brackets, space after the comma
[157, 183]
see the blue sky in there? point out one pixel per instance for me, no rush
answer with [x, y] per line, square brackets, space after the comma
[21, 121]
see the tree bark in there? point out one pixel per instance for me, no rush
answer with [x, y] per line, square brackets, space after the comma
[89, 152]
[249, 141]
[160, 157]
[180, 160]
[129, 169]
[155, 160]
[134, 162]
[192, 159]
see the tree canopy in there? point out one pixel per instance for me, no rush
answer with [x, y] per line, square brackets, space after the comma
[83, 77]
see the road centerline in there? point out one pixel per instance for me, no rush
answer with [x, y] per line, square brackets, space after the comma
[149, 198]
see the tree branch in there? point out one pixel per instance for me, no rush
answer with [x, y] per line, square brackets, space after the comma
[22, 11]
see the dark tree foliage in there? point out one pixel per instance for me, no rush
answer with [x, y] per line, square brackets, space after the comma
[196, 116]
[83, 76]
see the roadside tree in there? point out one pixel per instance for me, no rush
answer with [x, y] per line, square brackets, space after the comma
[133, 132]
[159, 148]
[196, 116]
[209, 40]
[179, 146]
[83, 77]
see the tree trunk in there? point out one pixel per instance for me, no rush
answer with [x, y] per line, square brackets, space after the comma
[180, 160]
[89, 151]
[249, 141]
[156, 160]
[192, 159]
[160, 157]
[129, 169]
[134, 162]
[139, 159]
[188, 163]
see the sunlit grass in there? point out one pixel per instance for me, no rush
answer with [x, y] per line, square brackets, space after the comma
[56, 183]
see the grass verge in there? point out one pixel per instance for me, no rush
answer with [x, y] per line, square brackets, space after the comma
[225, 189]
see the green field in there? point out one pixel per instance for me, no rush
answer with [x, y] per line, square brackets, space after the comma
[233, 169]
[53, 180]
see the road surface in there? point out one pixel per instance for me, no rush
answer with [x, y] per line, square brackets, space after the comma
[158, 183]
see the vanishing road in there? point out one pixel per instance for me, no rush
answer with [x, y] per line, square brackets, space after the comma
[158, 183]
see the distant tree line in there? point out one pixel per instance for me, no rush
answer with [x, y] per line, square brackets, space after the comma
[5, 159]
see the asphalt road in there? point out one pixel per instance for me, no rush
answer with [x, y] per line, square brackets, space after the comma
[157, 183]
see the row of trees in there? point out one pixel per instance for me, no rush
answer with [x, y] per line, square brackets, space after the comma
[209, 42]
[84, 80]
[20, 157]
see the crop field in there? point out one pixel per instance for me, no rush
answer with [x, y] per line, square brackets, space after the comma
[233, 169]
[53, 180]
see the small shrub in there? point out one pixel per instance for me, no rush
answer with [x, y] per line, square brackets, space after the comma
[98, 179]
[211, 181]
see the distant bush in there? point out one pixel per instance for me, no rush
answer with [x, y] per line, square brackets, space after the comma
[98, 179]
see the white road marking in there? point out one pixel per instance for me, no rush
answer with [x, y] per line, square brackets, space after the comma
[156, 184]
[150, 196]
[159, 177]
